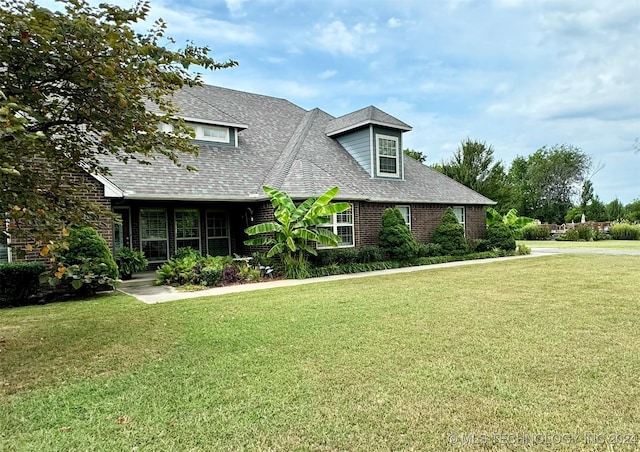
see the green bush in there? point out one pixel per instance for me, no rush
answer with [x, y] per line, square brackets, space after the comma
[625, 231]
[523, 250]
[370, 253]
[585, 232]
[535, 232]
[189, 267]
[500, 236]
[600, 235]
[85, 266]
[479, 245]
[395, 238]
[429, 250]
[19, 281]
[571, 235]
[130, 262]
[450, 235]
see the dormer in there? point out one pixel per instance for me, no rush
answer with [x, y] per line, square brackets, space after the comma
[374, 140]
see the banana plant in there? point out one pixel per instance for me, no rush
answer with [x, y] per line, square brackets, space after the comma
[511, 219]
[296, 227]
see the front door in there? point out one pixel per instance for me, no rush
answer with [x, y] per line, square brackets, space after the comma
[122, 228]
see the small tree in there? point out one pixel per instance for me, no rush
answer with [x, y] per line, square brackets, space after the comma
[450, 234]
[395, 238]
[500, 236]
[295, 227]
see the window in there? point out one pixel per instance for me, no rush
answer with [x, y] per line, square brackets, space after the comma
[406, 214]
[187, 229]
[154, 235]
[213, 133]
[164, 127]
[388, 158]
[459, 211]
[341, 224]
[217, 234]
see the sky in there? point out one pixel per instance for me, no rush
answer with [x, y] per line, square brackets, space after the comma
[516, 74]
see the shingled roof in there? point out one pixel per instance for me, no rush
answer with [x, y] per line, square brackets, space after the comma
[283, 146]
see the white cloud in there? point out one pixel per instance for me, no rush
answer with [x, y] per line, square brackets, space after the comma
[336, 38]
[394, 22]
[235, 7]
[327, 74]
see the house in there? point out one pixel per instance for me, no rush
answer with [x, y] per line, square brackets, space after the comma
[249, 140]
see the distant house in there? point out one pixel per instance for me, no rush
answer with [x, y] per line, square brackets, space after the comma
[249, 140]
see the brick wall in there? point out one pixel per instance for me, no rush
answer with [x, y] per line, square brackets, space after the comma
[89, 189]
[425, 218]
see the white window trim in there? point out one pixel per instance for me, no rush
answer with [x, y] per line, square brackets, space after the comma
[155, 239]
[464, 217]
[228, 236]
[334, 228]
[408, 223]
[397, 157]
[175, 228]
[201, 136]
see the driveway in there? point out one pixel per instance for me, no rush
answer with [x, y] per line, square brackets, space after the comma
[584, 251]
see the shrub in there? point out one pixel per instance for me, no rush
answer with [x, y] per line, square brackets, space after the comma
[211, 276]
[523, 249]
[86, 265]
[500, 236]
[570, 235]
[395, 238]
[535, 232]
[19, 281]
[450, 234]
[479, 246]
[429, 250]
[188, 267]
[624, 231]
[599, 234]
[370, 253]
[585, 232]
[130, 262]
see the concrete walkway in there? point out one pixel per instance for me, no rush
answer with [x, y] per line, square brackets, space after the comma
[141, 286]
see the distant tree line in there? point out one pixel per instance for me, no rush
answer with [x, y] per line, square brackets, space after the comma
[551, 185]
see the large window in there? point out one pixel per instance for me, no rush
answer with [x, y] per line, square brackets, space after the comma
[406, 214]
[459, 211]
[154, 235]
[341, 224]
[217, 234]
[387, 155]
[187, 228]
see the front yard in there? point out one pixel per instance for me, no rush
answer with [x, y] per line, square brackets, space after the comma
[494, 353]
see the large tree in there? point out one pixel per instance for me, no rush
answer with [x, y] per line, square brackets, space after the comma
[74, 85]
[548, 180]
[473, 165]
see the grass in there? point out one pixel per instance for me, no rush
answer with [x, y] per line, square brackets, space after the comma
[600, 244]
[395, 362]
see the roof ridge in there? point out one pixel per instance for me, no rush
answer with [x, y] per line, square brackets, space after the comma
[281, 168]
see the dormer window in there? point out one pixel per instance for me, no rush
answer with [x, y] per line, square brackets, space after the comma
[212, 133]
[387, 154]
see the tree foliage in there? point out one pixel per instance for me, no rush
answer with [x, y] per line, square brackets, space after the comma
[547, 181]
[450, 234]
[76, 85]
[473, 165]
[395, 237]
[418, 155]
[296, 226]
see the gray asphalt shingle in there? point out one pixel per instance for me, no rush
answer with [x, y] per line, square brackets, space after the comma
[283, 146]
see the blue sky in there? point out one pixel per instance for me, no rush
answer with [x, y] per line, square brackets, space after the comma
[517, 74]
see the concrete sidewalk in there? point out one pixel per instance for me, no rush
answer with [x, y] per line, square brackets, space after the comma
[141, 286]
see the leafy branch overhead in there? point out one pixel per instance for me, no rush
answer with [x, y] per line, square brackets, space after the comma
[81, 83]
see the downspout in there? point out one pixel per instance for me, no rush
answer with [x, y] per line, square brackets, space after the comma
[8, 236]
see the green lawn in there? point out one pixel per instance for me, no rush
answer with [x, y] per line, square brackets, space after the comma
[601, 244]
[548, 345]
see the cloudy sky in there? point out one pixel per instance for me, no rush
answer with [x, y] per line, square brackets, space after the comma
[517, 74]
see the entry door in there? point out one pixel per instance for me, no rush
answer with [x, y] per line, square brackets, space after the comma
[122, 228]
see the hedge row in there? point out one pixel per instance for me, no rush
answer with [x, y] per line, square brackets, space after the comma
[19, 281]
